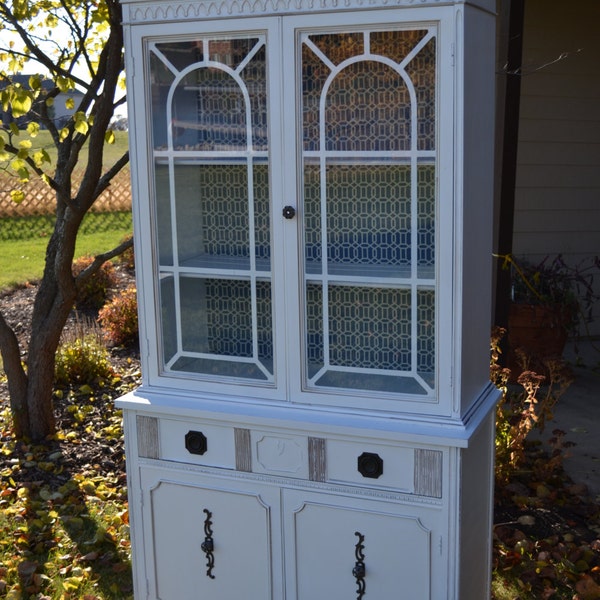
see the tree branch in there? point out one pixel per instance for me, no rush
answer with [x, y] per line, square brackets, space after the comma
[105, 180]
[100, 259]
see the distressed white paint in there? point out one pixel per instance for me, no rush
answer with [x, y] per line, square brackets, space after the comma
[279, 475]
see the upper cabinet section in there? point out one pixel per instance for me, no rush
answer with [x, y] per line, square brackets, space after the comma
[296, 202]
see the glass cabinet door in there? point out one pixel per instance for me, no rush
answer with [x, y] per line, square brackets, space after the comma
[368, 147]
[340, 124]
[212, 212]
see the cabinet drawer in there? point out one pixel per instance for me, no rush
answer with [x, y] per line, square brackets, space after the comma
[186, 442]
[401, 468]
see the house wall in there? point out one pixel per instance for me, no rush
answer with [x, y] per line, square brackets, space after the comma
[557, 195]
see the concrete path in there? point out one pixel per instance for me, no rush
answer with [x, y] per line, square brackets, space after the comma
[578, 414]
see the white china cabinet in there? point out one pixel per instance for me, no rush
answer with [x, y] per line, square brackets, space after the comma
[312, 187]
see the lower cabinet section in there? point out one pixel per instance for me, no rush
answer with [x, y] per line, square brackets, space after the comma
[213, 537]
[206, 542]
[356, 550]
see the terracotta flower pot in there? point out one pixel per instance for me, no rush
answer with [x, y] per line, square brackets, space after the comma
[540, 331]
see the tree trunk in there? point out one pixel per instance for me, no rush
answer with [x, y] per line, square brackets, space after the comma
[17, 380]
[31, 388]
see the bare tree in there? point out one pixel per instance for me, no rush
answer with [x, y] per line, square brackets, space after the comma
[77, 44]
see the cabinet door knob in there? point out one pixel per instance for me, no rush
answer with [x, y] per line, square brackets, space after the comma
[289, 212]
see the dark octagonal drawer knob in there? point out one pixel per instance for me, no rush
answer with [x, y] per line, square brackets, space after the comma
[370, 465]
[195, 442]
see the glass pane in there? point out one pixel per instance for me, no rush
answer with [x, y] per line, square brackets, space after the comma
[369, 210]
[161, 79]
[368, 108]
[426, 334]
[220, 333]
[168, 317]
[164, 234]
[426, 221]
[368, 216]
[208, 112]
[422, 72]
[396, 45]
[212, 214]
[254, 76]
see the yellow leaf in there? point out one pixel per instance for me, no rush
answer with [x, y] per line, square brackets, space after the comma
[33, 128]
[65, 84]
[70, 103]
[41, 156]
[81, 124]
[35, 82]
[17, 164]
[64, 133]
[21, 103]
[26, 144]
[17, 196]
[109, 137]
[51, 21]
[72, 584]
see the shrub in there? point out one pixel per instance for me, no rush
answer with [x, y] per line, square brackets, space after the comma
[127, 258]
[82, 358]
[523, 407]
[119, 318]
[92, 293]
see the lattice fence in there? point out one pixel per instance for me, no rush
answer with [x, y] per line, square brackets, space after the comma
[39, 198]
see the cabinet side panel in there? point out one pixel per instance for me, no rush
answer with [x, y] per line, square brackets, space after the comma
[477, 175]
[476, 513]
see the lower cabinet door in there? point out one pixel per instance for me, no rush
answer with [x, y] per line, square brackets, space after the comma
[205, 542]
[348, 549]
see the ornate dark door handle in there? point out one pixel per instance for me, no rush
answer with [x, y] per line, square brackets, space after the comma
[359, 570]
[208, 544]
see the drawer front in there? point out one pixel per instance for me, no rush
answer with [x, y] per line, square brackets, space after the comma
[186, 442]
[371, 464]
[399, 468]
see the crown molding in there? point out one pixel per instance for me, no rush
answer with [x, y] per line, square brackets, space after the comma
[143, 11]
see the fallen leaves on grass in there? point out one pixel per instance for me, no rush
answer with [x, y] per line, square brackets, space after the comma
[64, 522]
[546, 537]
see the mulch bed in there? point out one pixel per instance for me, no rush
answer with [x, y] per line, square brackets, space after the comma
[103, 454]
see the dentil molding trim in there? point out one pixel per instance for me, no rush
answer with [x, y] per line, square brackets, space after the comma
[147, 12]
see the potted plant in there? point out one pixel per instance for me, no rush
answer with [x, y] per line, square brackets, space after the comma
[550, 301]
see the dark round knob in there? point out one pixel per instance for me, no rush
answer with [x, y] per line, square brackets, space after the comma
[359, 570]
[196, 442]
[289, 212]
[370, 465]
[207, 545]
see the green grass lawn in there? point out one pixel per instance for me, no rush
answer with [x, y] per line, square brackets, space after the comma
[24, 241]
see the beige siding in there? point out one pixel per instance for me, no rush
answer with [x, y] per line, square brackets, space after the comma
[557, 196]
